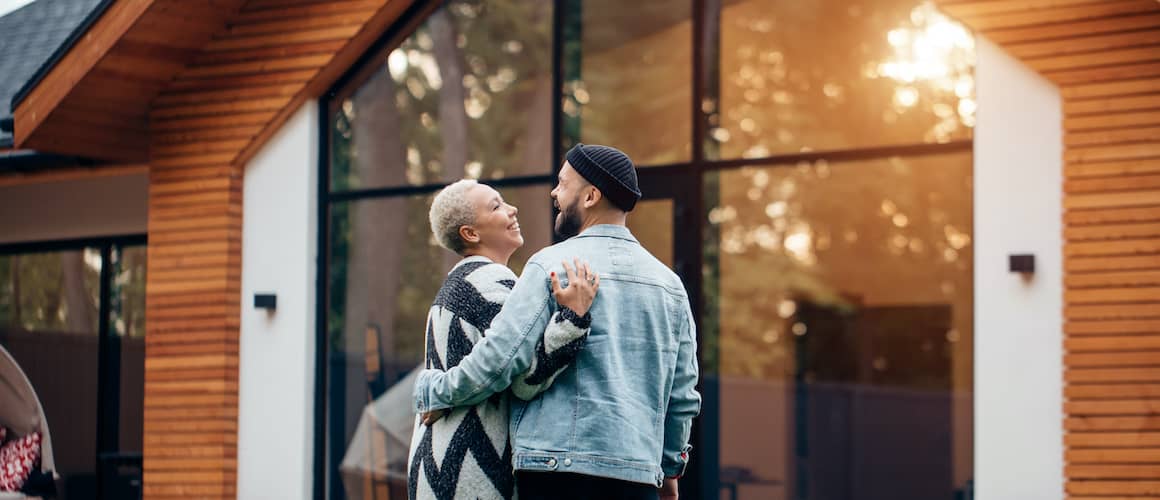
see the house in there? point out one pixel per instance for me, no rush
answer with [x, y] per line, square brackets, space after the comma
[921, 239]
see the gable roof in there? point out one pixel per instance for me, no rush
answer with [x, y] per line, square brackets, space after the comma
[33, 36]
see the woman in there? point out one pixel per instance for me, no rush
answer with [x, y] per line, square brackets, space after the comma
[466, 452]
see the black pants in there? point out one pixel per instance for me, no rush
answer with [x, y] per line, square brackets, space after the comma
[567, 486]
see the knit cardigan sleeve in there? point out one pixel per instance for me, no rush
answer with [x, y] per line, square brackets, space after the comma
[555, 351]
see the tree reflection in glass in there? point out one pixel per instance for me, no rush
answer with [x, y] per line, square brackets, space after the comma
[832, 75]
[835, 286]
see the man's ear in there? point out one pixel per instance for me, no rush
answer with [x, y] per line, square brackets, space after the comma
[469, 234]
[592, 196]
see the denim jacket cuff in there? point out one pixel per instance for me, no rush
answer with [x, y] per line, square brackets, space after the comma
[422, 391]
[676, 468]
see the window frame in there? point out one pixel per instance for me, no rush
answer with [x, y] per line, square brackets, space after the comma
[705, 76]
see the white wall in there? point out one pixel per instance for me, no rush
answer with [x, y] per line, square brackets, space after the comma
[79, 208]
[1018, 339]
[276, 369]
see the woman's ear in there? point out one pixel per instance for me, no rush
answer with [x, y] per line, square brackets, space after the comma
[469, 234]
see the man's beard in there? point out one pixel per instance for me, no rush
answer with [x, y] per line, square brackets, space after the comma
[568, 222]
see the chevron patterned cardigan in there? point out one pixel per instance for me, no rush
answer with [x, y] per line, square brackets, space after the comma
[466, 454]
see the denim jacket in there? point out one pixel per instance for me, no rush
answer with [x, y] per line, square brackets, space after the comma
[624, 409]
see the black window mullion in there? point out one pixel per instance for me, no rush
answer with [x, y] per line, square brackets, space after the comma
[108, 374]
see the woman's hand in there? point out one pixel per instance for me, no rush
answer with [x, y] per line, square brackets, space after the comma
[431, 417]
[581, 290]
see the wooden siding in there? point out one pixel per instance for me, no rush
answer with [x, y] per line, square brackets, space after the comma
[205, 125]
[1105, 57]
[94, 102]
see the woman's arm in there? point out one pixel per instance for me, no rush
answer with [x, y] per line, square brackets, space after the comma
[563, 337]
[566, 332]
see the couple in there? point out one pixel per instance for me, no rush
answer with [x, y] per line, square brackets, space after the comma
[621, 366]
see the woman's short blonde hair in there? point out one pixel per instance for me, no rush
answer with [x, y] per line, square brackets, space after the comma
[451, 210]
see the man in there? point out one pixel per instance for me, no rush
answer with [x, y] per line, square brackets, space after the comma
[616, 424]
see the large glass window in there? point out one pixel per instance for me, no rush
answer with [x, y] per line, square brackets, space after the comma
[844, 298]
[467, 95]
[87, 369]
[627, 69]
[839, 74]
[823, 154]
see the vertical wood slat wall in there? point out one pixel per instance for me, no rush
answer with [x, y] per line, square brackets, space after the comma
[211, 118]
[1105, 57]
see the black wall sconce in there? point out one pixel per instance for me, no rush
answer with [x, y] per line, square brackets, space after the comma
[267, 301]
[1021, 263]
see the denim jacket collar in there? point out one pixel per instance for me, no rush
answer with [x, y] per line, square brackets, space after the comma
[608, 231]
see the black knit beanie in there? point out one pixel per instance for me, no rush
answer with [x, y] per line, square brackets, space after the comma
[610, 170]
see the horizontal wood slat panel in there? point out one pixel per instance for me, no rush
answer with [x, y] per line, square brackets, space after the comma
[308, 61]
[1108, 73]
[1079, 92]
[1112, 439]
[1060, 14]
[1081, 392]
[199, 97]
[221, 108]
[976, 8]
[1111, 359]
[281, 39]
[184, 362]
[235, 92]
[1113, 104]
[324, 20]
[1071, 29]
[1138, 374]
[1113, 199]
[1132, 424]
[1112, 295]
[1112, 231]
[305, 11]
[1121, 247]
[234, 82]
[1140, 407]
[1095, 59]
[1080, 328]
[1111, 120]
[1136, 278]
[204, 136]
[1112, 343]
[1083, 154]
[1112, 136]
[1116, 311]
[1114, 487]
[192, 464]
[1068, 46]
[1112, 216]
[267, 53]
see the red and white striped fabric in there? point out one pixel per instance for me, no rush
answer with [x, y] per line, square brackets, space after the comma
[18, 458]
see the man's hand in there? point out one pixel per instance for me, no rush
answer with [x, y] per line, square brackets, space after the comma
[433, 416]
[668, 489]
[581, 290]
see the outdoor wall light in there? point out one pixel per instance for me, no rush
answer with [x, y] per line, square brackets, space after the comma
[1021, 263]
[267, 301]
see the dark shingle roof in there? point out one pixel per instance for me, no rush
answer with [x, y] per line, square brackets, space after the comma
[30, 38]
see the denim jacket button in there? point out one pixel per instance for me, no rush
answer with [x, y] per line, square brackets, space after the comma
[552, 463]
[567, 462]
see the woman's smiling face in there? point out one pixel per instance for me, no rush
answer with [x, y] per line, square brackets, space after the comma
[495, 221]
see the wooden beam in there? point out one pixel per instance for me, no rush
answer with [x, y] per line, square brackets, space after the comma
[31, 112]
